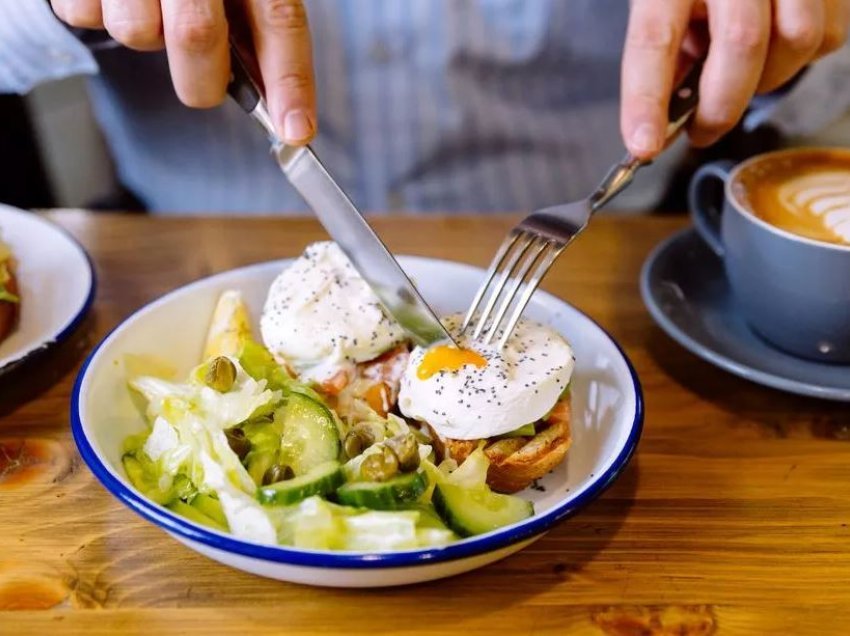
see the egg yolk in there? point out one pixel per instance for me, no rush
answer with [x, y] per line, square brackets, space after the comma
[447, 358]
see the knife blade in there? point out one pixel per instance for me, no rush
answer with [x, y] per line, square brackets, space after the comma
[341, 219]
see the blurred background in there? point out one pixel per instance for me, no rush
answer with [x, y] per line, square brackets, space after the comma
[53, 153]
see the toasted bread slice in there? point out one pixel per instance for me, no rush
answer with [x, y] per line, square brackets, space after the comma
[515, 462]
[9, 311]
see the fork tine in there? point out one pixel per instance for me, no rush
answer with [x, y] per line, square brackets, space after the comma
[537, 251]
[504, 248]
[523, 243]
[530, 288]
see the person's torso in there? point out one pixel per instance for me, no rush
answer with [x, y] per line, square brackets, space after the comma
[424, 105]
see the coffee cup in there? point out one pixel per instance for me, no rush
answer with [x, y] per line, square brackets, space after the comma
[782, 228]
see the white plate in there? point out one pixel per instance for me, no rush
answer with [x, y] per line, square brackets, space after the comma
[56, 282]
[606, 425]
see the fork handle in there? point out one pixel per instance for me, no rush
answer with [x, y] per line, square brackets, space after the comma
[683, 103]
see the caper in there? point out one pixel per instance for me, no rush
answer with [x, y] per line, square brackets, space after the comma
[221, 374]
[379, 466]
[366, 433]
[276, 473]
[406, 449]
[353, 444]
[237, 441]
[359, 438]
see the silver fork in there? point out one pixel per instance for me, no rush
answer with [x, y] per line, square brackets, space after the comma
[533, 245]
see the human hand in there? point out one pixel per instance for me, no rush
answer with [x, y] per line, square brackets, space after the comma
[194, 34]
[753, 46]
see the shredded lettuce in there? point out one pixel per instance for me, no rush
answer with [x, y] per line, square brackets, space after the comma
[378, 530]
[167, 456]
[164, 398]
[184, 461]
[246, 518]
[320, 525]
[174, 401]
[259, 363]
[159, 486]
[187, 439]
[313, 524]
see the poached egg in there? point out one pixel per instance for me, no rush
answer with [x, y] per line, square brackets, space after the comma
[321, 317]
[478, 391]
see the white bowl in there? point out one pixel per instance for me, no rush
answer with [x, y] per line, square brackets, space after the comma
[606, 426]
[56, 280]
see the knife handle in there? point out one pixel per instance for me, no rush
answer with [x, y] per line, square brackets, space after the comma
[241, 87]
[246, 81]
[246, 92]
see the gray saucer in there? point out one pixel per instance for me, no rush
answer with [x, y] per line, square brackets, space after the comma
[684, 287]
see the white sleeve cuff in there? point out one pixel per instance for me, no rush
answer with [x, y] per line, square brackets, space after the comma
[35, 47]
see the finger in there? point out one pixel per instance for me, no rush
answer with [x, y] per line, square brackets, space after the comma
[837, 25]
[85, 14]
[740, 34]
[198, 54]
[654, 37]
[134, 23]
[798, 30]
[282, 41]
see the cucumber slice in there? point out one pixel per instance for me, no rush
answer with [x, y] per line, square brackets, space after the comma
[428, 517]
[211, 507]
[144, 475]
[321, 480]
[310, 436]
[193, 514]
[136, 472]
[470, 511]
[393, 494]
[264, 436]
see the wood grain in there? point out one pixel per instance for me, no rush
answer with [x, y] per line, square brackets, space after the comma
[733, 517]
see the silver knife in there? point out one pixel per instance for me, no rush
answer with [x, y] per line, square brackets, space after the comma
[342, 220]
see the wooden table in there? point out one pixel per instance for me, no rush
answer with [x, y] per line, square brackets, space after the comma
[732, 518]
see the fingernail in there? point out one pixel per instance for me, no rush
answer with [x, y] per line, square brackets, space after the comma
[297, 126]
[645, 139]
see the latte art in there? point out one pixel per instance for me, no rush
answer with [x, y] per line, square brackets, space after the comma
[804, 192]
[824, 195]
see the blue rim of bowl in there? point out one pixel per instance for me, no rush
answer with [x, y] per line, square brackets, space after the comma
[705, 351]
[69, 329]
[465, 548]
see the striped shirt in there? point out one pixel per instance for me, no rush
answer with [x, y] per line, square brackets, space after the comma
[424, 105]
